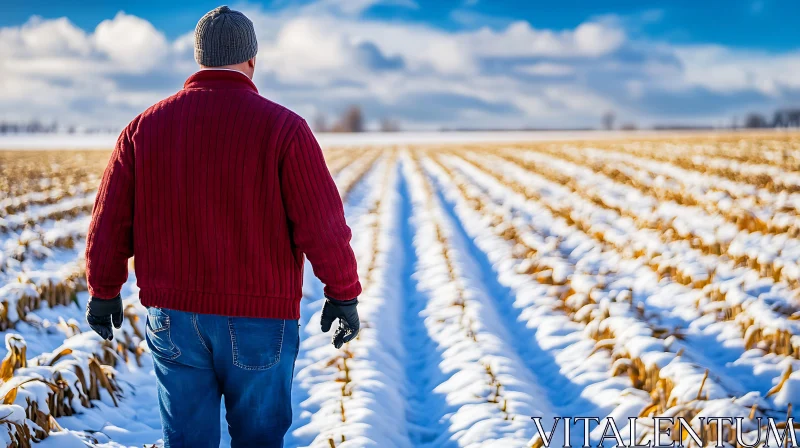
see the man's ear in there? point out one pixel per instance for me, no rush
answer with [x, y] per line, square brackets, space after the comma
[252, 63]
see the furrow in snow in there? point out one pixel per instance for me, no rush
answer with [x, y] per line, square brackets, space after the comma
[769, 176]
[560, 350]
[620, 321]
[756, 302]
[737, 233]
[354, 396]
[488, 393]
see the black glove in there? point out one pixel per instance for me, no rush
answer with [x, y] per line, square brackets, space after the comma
[348, 320]
[100, 313]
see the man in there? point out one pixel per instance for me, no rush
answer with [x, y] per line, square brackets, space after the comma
[219, 193]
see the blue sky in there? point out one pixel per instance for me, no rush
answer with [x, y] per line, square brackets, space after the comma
[426, 63]
[762, 24]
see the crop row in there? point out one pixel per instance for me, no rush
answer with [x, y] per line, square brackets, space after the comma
[732, 293]
[737, 207]
[27, 172]
[589, 286]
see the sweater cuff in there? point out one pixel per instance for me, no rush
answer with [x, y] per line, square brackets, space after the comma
[104, 293]
[353, 301]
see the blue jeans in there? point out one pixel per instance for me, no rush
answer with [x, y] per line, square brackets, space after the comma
[200, 358]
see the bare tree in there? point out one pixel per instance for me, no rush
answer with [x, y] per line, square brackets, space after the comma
[786, 118]
[351, 121]
[754, 120]
[608, 120]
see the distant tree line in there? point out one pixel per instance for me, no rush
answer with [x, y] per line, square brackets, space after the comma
[352, 120]
[38, 127]
[783, 118]
[31, 127]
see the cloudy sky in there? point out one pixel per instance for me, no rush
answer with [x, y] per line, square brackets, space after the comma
[427, 63]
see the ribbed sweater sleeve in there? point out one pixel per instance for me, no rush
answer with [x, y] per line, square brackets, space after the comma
[109, 242]
[316, 215]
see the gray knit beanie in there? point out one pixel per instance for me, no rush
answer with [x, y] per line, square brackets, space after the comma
[224, 37]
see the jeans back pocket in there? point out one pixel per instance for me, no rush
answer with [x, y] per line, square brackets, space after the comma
[158, 335]
[256, 342]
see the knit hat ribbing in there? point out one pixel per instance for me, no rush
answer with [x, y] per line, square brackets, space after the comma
[224, 37]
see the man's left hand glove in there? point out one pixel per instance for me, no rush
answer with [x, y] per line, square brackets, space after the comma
[347, 314]
[101, 313]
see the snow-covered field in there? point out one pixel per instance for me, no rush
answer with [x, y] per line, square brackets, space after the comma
[105, 141]
[502, 281]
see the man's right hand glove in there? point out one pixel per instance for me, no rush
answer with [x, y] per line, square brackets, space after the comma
[101, 313]
[348, 320]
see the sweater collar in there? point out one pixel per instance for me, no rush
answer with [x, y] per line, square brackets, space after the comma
[219, 79]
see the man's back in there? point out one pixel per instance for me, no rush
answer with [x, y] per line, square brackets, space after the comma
[230, 190]
[219, 194]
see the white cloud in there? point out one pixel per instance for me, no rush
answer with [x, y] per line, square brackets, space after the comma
[322, 56]
[722, 70]
[546, 69]
[333, 41]
[595, 39]
[131, 42]
[52, 69]
[520, 39]
[304, 51]
[572, 99]
[38, 37]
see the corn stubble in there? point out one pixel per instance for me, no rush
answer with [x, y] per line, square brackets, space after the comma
[657, 190]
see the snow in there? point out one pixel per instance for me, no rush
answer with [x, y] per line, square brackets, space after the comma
[498, 286]
[331, 140]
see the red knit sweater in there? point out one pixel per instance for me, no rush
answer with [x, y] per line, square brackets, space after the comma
[219, 193]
